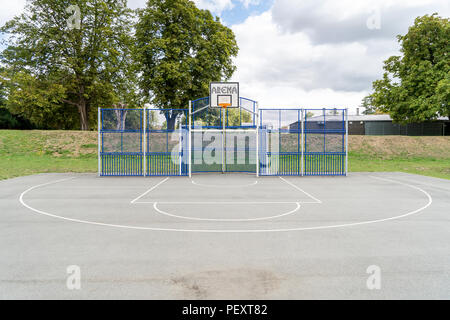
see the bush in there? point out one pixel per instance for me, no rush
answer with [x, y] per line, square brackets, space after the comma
[10, 121]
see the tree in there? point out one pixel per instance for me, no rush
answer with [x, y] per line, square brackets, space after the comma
[2, 95]
[181, 49]
[57, 60]
[309, 114]
[235, 117]
[368, 106]
[8, 120]
[416, 86]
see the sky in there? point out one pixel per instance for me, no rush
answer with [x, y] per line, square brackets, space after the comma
[307, 53]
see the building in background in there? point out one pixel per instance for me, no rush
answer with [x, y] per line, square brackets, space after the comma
[378, 124]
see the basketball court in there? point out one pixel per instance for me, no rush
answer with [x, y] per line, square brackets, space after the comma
[224, 200]
[225, 236]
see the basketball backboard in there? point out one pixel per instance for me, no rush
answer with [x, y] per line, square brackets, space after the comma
[224, 94]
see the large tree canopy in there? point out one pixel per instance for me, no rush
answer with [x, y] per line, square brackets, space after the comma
[54, 71]
[416, 86]
[180, 50]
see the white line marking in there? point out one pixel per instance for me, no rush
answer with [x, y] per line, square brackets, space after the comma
[430, 201]
[222, 202]
[224, 219]
[224, 186]
[426, 184]
[149, 190]
[290, 183]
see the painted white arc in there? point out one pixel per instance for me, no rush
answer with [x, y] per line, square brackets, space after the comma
[226, 219]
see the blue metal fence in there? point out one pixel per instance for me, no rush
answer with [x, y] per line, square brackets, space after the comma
[325, 142]
[155, 142]
[295, 142]
[235, 118]
[167, 142]
[122, 133]
[121, 142]
[232, 150]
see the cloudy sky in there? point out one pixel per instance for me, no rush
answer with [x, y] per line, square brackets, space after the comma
[308, 53]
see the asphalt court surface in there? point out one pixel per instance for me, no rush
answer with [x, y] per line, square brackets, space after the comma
[225, 236]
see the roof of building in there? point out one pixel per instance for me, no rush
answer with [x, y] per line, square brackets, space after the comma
[368, 117]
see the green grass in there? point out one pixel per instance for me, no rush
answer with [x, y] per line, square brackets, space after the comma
[30, 152]
[22, 165]
[439, 168]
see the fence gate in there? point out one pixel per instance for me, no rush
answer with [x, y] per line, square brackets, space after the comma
[223, 140]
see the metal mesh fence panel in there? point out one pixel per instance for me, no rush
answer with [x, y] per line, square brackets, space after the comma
[207, 152]
[167, 142]
[121, 142]
[290, 141]
[325, 144]
[212, 118]
[280, 142]
[240, 151]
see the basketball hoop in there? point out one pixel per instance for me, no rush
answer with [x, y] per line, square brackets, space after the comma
[224, 105]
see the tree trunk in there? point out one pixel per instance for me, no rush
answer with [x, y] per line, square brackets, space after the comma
[121, 117]
[171, 120]
[83, 111]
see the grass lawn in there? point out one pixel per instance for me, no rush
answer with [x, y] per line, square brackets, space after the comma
[439, 168]
[29, 152]
[429, 156]
[22, 165]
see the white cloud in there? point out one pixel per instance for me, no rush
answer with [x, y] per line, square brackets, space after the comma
[135, 4]
[218, 6]
[248, 3]
[10, 9]
[215, 6]
[315, 54]
[346, 20]
[287, 69]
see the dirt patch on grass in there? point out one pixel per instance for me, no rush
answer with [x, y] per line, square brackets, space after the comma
[61, 143]
[70, 143]
[56, 143]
